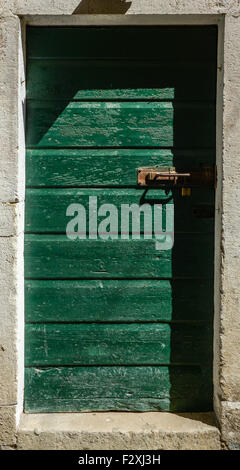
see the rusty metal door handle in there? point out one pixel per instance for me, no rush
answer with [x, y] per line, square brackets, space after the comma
[163, 176]
[148, 176]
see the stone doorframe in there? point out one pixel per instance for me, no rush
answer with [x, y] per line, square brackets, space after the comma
[120, 430]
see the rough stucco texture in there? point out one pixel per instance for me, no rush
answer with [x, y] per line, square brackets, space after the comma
[53, 7]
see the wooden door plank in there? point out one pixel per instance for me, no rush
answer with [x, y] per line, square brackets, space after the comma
[125, 124]
[119, 301]
[124, 388]
[108, 167]
[120, 80]
[46, 208]
[57, 257]
[170, 43]
[119, 344]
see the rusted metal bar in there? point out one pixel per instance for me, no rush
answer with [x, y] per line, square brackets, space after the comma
[162, 176]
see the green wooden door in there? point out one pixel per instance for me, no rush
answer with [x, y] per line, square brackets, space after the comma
[114, 324]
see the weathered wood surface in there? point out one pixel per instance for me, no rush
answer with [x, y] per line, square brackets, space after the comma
[171, 43]
[119, 301]
[124, 388]
[108, 167]
[122, 344]
[117, 325]
[120, 124]
[57, 257]
[46, 208]
[70, 405]
[120, 80]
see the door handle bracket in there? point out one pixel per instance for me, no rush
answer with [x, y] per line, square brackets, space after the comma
[169, 177]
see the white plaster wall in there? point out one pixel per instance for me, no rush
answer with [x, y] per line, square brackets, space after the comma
[11, 209]
[33, 7]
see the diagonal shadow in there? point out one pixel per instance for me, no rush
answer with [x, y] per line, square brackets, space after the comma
[102, 7]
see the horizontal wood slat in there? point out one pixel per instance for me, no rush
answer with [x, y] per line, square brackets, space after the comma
[120, 80]
[123, 388]
[125, 124]
[177, 405]
[119, 301]
[133, 344]
[46, 208]
[167, 43]
[57, 257]
[75, 167]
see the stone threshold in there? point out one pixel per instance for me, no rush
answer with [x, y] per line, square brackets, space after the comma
[118, 430]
